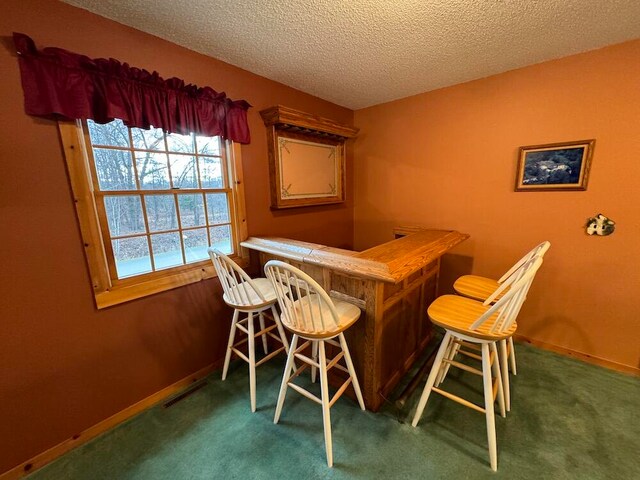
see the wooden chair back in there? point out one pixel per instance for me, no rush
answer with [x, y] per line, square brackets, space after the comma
[539, 249]
[506, 309]
[237, 285]
[304, 304]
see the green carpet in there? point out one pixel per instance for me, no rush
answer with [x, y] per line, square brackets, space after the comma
[569, 420]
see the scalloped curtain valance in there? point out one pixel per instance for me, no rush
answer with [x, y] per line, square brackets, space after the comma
[60, 84]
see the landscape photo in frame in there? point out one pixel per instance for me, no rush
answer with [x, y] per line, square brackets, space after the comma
[556, 166]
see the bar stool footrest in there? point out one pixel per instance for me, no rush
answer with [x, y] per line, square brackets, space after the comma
[459, 400]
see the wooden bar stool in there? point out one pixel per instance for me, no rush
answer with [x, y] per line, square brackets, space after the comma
[309, 313]
[469, 321]
[248, 296]
[487, 290]
[481, 288]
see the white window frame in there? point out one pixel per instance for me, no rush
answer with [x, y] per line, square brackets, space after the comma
[109, 291]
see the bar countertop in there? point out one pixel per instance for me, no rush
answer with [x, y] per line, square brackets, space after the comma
[389, 262]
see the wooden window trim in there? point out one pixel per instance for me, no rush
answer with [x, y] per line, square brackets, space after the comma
[107, 292]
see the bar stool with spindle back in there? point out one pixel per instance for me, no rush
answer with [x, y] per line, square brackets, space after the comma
[469, 321]
[487, 290]
[248, 296]
[309, 313]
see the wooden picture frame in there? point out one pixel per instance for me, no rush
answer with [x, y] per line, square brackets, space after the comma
[554, 166]
[308, 172]
[307, 159]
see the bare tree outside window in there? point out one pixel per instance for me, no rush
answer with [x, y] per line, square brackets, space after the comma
[164, 198]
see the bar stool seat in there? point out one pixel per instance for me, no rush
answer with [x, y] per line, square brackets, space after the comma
[481, 288]
[315, 307]
[457, 314]
[476, 287]
[261, 295]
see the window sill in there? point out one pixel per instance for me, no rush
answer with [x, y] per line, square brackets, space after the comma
[118, 294]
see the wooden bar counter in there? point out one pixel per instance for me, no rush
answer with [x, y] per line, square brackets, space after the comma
[392, 283]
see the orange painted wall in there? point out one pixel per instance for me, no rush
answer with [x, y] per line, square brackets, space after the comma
[447, 159]
[64, 365]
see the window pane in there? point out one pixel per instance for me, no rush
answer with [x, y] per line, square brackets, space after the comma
[180, 143]
[124, 215]
[217, 208]
[211, 172]
[191, 210]
[113, 133]
[132, 256]
[161, 212]
[195, 244]
[166, 250]
[153, 172]
[115, 169]
[183, 171]
[208, 145]
[221, 238]
[152, 139]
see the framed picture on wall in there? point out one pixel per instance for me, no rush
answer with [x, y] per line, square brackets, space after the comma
[307, 157]
[555, 166]
[309, 172]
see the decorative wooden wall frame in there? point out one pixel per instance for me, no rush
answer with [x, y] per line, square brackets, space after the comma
[306, 158]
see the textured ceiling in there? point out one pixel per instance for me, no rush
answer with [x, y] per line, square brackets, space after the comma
[358, 53]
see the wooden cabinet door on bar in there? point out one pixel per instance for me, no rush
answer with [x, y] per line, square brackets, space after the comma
[306, 158]
[392, 284]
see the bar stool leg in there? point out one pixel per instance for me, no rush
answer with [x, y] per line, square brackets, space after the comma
[352, 371]
[283, 337]
[264, 336]
[512, 356]
[496, 373]
[252, 362]
[440, 376]
[285, 378]
[452, 351]
[432, 378]
[326, 413]
[314, 357]
[504, 367]
[488, 407]
[232, 336]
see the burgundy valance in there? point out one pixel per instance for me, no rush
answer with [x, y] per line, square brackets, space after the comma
[61, 84]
